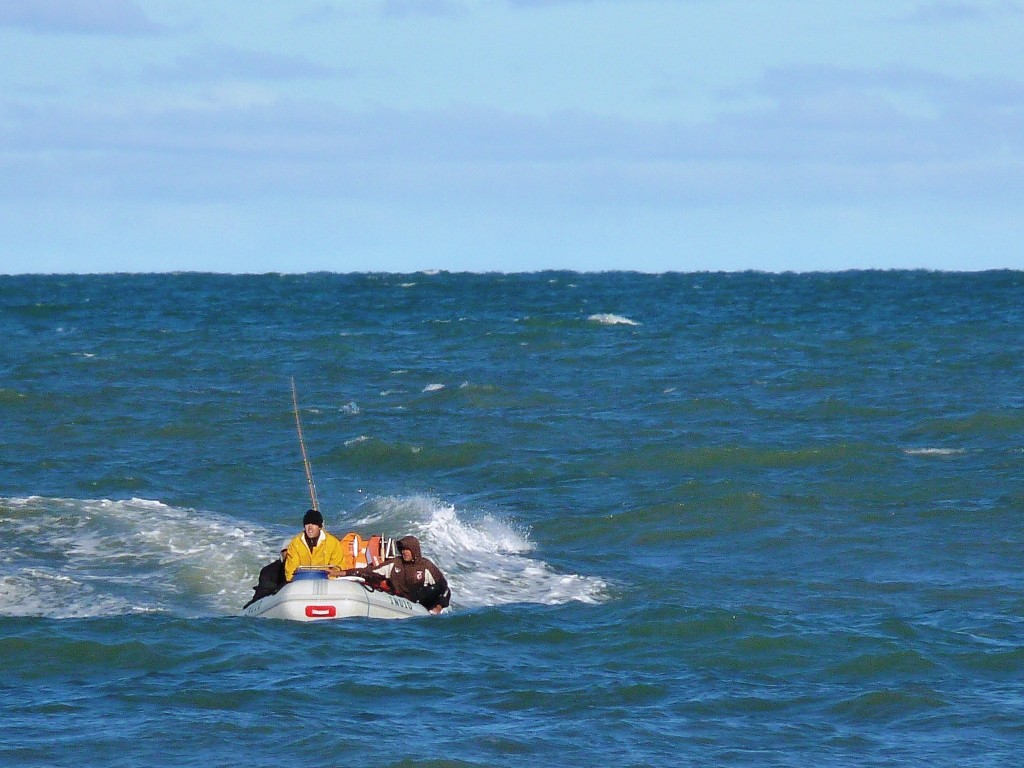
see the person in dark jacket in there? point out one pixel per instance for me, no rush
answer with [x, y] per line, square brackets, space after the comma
[412, 576]
[271, 579]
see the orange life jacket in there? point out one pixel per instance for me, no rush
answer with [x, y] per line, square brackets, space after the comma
[360, 552]
[373, 554]
[354, 549]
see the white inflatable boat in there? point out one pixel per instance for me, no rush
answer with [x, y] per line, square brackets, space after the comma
[312, 596]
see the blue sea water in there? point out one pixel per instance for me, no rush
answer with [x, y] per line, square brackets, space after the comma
[688, 519]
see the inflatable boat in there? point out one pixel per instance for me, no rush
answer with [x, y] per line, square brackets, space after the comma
[312, 596]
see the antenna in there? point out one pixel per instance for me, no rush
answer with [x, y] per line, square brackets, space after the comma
[302, 445]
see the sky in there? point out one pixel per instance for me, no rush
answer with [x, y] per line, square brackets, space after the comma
[510, 135]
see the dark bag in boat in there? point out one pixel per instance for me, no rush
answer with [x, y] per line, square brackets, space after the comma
[271, 580]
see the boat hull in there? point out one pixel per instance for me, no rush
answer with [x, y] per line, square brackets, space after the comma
[323, 599]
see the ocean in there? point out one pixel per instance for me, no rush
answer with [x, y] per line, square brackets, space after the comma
[688, 519]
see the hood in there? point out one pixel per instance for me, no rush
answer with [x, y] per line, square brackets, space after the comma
[412, 544]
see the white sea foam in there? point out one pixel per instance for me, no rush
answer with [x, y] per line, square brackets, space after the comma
[487, 560]
[72, 558]
[36, 592]
[76, 558]
[605, 318]
[933, 451]
[433, 387]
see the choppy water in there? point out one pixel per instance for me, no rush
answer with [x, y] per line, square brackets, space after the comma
[736, 520]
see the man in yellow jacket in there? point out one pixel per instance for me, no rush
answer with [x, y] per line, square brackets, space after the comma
[314, 546]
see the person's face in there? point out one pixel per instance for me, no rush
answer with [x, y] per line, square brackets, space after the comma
[284, 554]
[312, 530]
[407, 555]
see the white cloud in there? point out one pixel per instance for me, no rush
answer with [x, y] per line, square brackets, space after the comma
[438, 8]
[327, 12]
[218, 62]
[100, 17]
[946, 12]
[508, 125]
[812, 135]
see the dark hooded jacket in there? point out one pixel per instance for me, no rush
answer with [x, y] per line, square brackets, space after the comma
[420, 580]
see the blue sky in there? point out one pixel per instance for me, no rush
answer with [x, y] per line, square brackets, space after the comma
[510, 135]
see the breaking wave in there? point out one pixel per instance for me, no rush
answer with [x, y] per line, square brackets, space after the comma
[71, 558]
[605, 318]
[933, 451]
[487, 561]
[74, 558]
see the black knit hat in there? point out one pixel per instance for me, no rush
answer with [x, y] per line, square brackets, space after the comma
[314, 517]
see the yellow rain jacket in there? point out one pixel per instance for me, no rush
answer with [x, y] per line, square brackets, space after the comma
[328, 551]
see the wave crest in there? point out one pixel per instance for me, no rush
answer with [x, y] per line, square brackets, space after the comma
[606, 318]
[72, 558]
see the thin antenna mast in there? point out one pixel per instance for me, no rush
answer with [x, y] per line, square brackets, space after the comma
[302, 445]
